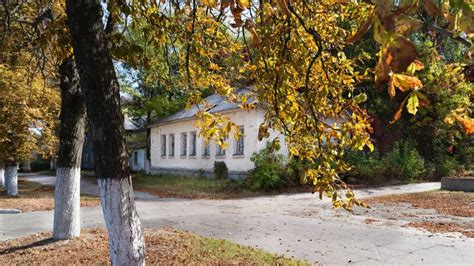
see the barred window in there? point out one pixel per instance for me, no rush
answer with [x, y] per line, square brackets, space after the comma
[184, 143]
[171, 151]
[163, 145]
[219, 150]
[240, 143]
[206, 150]
[193, 137]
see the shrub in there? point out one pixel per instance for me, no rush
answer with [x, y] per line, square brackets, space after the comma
[446, 167]
[220, 170]
[295, 169]
[404, 162]
[269, 172]
[39, 165]
[366, 168]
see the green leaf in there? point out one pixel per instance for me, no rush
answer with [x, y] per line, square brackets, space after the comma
[360, 98]
[413, 103]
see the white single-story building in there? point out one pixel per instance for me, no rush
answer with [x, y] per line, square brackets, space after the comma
[136, 144]
[137, 159]
[177, 148]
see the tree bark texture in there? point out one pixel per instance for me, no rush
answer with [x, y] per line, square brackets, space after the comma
[67, 205]
[11, 179]
[68, 172]
[97, 77]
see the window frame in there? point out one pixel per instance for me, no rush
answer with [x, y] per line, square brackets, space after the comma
[220, 152]
[206, 149]
[135, 157]
[163, 145]
[172, 145]
[184, 144]
[240, 140]
[193, 143]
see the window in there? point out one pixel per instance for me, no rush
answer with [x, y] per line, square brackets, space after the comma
[171, 151]
[184, 143]
[135, 157]
[206, 150]
[192, 152]
[163, 145]
[219, 150]
[239, 144]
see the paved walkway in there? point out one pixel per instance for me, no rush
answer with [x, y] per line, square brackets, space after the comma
[88, 186]
[298, 225]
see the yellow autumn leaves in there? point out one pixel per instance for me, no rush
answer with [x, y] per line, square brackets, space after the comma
[397, 62]
[28, 115]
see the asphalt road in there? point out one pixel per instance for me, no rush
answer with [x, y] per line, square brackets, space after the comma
[297, 225]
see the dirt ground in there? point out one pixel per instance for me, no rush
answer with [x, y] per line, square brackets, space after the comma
[164, 246]
[35, 197]
[434, 211]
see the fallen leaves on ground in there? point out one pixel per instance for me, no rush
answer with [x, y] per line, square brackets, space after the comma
[35, 197]
[455, 208]
[439, 227]
[164, 246]
[445, 202]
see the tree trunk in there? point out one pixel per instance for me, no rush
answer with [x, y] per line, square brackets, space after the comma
[67, 220]
[2, 177]
[148, 148]
[97, 77]
[11, 179]
[26, 166]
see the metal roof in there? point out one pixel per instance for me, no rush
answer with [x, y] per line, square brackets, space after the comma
[216, 101]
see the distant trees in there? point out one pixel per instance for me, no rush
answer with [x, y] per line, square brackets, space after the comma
[28, 118]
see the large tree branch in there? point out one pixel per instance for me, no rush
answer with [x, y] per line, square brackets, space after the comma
[446, 33]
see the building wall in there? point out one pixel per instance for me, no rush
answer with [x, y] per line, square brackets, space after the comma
[273, 134]
[250, 120]
[137, 160]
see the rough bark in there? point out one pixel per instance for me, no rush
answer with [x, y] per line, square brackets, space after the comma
[148, 148]
[123, 224]
[11, 179]
[67, 205]
[97, 77]
[71, 137]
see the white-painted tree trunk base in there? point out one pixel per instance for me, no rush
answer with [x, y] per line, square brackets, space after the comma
[126, 242]
[2, 177]
[67, 205]
[11, 180]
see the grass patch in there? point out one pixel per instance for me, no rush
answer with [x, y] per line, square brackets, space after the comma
[200, 188]
[164, 246]
[36, 197]
[185, 187]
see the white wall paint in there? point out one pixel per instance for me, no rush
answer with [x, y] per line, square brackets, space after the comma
[250, 120]
[139, 165]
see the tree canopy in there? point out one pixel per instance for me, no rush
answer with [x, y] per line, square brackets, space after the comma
[29, 103]
[293, 57]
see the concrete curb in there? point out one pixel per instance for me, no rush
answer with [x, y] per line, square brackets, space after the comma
[10, 211]
[457, 184]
